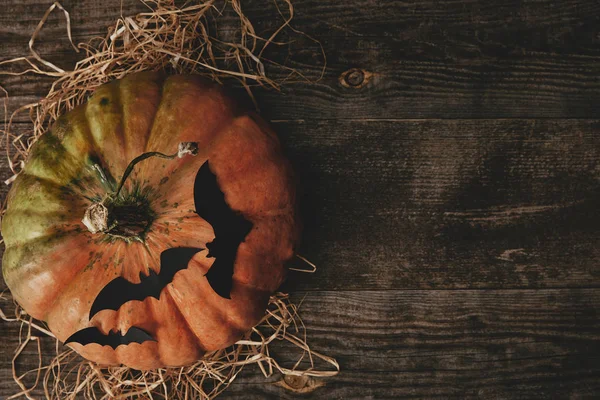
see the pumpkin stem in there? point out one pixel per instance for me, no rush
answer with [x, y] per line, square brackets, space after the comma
[184, 148]
[97, 217]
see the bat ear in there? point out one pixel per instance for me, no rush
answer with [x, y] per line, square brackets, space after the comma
[204, 178]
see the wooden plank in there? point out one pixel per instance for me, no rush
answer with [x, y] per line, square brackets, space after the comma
[445, 203]
[440, 204]
[449, 203]
[353, 17]
[440, 344]
[551, 25]
[428, 60]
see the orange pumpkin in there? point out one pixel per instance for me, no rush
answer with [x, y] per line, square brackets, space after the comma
[57, 268]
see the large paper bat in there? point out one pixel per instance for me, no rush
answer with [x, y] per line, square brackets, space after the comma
[119, 291]
[229, 226]
[112, 339]
[230, 229]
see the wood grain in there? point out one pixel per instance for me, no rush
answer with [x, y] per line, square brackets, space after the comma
[449, 204]
[428, 59]
[443, 344]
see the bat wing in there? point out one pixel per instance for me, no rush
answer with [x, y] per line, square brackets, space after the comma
[93, 335]
[211, 206]
[220, 274]
[119, 291]
[230, 228]
[174, 260]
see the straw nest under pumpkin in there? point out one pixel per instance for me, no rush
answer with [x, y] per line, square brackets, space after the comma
[173, 38]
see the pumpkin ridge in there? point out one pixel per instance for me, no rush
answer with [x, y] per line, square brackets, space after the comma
[120, 133]
[168, 290]
[80, 125]
[250, 284]
[215, 313]
[264, 152]
[233, 319]
[49, 238]
[64, 129]
[58, 234]
[64, 290]
[236, 318]
[156, 114]
[153, 265]
[208, 92]
[166, 233]
[106, 126]
[60, 292]
[49, 182]
[28, 216]
[131, 89]
[175, 176]
[161, 85]
[204, 152]
[70, 188]
[50, 155]
[96, 153]
[39, 213]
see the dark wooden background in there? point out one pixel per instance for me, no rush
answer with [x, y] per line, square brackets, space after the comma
[451, 200]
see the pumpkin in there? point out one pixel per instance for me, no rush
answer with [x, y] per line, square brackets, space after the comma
[109, 240]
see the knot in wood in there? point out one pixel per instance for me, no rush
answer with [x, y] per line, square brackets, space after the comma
[299, 383]
[296, 382]
[355, 78]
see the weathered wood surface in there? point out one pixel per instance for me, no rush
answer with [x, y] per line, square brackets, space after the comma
[436, 59]
[443, 343]
[451, 202]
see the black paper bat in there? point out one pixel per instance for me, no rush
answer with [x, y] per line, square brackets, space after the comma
[119, 291]
[112, 339]
[230, 228]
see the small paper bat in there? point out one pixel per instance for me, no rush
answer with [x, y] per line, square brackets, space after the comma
[230, 228]
[119, 291]
[112, 339]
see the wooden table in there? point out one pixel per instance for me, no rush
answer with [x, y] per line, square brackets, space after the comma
[451, 191]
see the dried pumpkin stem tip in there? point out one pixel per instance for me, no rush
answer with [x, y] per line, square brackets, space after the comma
[96, 216]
